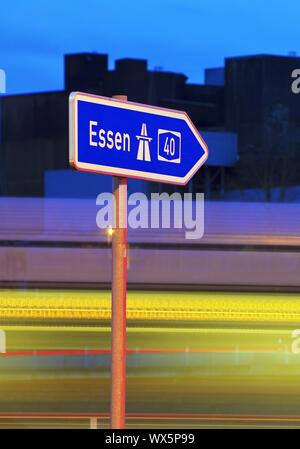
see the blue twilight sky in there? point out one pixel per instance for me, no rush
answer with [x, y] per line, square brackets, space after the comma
[179, 35]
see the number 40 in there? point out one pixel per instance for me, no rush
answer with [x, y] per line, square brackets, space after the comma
[169, 147]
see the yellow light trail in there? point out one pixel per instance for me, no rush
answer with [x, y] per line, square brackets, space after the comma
[154, 305]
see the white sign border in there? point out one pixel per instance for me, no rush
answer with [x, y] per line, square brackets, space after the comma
[114, 171]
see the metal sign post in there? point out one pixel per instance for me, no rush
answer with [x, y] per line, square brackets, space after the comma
[118, 305]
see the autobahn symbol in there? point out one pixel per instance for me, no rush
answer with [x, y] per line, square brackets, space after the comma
[121, 138]
[143, 151]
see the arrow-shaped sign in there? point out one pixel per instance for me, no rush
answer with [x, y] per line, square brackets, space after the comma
[133, 140]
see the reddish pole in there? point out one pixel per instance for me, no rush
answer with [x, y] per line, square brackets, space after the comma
[118, 306]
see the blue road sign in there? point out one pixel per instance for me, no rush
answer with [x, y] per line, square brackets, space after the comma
[133, 140]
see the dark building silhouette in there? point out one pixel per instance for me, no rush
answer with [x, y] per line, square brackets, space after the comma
[255, 102]
[264, 112]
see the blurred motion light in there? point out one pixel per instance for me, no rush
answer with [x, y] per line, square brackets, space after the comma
[157, 305]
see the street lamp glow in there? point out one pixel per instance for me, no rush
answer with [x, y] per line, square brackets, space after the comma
[110, 231]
